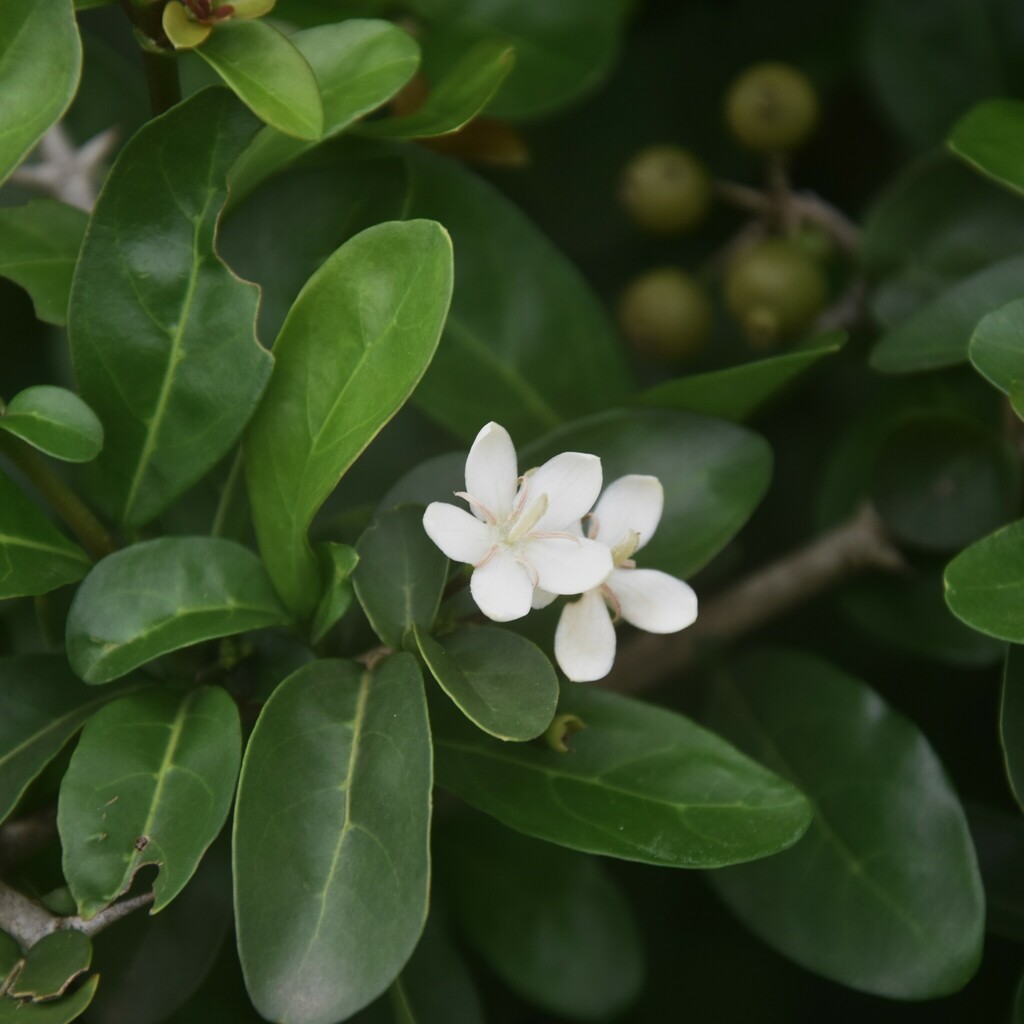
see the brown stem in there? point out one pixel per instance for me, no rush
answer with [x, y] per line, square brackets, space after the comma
[859, 544]
[159, 60]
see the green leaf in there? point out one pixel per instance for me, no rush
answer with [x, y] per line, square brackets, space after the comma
[162, 334]
[336, 785]
[338, 562]
[42, 705]
[500, 681]
[564, 50]
[268, 74]
[34, 557]
[939, 334]
[354, 346]
[985, 584]
[150, 782]
[988, 137]
[465, 90]
[549, 922]
[888, 855]
[997, 347]
[158, 596]
[40, 63]
[401, 575]
[359, 65]
[10, 957]
[60, 1012]
[54, 420]
[51, 965]
[714, 475]
[737, 392]
[642, 784]
[1011, 721]
[39, 246]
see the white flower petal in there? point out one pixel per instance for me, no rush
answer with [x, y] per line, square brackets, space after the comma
[565, 565]
[631, 503]
[572, 482]
[585, 639]
[653, 601]
[502, 588]
[491, 470]
[541, 599]
[462, 537]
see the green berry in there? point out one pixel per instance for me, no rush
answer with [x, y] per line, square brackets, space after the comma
[666, 314]
[666, 190]
[771, 108]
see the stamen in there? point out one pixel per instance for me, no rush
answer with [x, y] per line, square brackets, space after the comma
[612, 601]
[523, 494]
[528, 566]
[563, 534]
[526, 522]
[490, 554]
[488, 515]
[593, 525]
[625, 548]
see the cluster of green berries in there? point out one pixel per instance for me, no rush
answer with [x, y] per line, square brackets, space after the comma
[774, 287]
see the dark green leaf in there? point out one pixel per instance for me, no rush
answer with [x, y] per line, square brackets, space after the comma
[997, 346]
[1011, 721]
[641, 783]
[40, 62]
[989, 139]
[401, 575]
[336, 785]
[739, 391]
[337, 561]
[549, 922]
[354, 346]
[162, 334]
[499, 680]
[164, 594]
[39, 246]
[150, 782]
[268, 74]
[10, 957]
[883, 893]
[59, 1012]
[51, 965]
[34, 557]
[54, 420]
[465, 90]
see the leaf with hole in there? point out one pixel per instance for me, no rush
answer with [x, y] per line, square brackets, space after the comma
[51, 965]
[60, 1011]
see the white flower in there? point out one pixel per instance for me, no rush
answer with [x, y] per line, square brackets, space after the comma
[523, 532]
[625, 520]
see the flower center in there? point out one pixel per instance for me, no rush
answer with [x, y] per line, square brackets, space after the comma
[622, 553]
[520, 525]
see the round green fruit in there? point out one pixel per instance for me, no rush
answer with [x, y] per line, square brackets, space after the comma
[666, 190]
[771, 108]
[665, 314]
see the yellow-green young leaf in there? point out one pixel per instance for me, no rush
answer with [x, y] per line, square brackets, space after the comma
[39, 246]
[51, 965]
[54, 420]
[337, 562]
[60, 1011]
[1011, 721]
[997, 347]
[355, 344]
[163, 333]
[883, 893]
[268, 74]
[988, 137]
[464, 91]
[40, 62]
[643, 783]
[164, 594]
[182, 30]
[150, 782]
[34, 557]
[331, 848]
[359, 64]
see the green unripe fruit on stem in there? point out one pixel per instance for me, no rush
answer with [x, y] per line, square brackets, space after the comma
[666, 314]
[771, 108]
[665, 189]
[775, 291]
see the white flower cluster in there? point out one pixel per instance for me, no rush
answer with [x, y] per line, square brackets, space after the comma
[524, 537]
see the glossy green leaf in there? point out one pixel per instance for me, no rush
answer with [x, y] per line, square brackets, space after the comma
[162, 334]
[336, 785]
[549, 922]
[150, 782]
[40, 62]
[465, 90]
[51, 965]
[354, 346]
[54, 420]
[985, 584]
[359, 65]
[401, 575]
[39, 246]
[268, 74]
[60, 1011]
[42, 705]
[1011, 721]
[883, 893]
[997, 346]
[737, 392]
[338, 562]
[641, 783]
[158, 596]
[34, 557]
[988, 137]
[499, 680]
[939, 334]
[11, 957]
